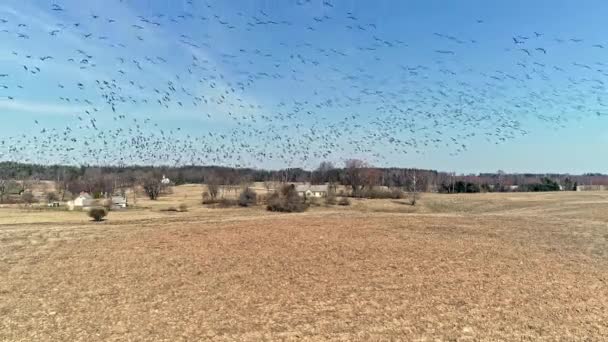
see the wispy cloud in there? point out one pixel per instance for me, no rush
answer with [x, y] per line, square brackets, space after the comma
[39, 108]
[158, 41]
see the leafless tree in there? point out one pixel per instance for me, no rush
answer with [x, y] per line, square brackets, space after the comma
[213, 186]
[28, 198]
[322, 173]
[152, 186]
[51, 197]
[3, 188]
[415, 183]
[268, 186]
[354, 172]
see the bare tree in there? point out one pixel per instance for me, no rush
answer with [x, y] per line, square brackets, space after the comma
[268, 186]
[152, 186]
[371, 177]
[415, 182]
[322, 173]
[3, 189]
[28, 198]
[51, 197]
[354, 174]
[93, 181]
[213, 186]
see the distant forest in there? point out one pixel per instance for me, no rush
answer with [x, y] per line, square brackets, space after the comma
[355, 173]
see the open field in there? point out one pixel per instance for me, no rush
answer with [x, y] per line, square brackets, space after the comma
[457, 267]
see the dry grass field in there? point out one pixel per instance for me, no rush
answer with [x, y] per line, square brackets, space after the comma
[484, 267]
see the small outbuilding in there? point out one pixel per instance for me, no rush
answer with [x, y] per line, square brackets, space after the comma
[591, 188]
[119, 202]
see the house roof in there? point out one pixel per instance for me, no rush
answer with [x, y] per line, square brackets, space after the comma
[313, 188]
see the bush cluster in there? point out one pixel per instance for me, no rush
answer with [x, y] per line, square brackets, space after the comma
[344, 201]
[247, 198]
[374, 193]
[98, 213]
[28, 198]
[227, 203]
[286, 200]
[331, 199]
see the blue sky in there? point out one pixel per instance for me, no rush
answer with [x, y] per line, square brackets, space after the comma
[448, 85]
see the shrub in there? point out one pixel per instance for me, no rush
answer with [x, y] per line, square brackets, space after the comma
[382, 194]
[344, 201]
[183, 208]
[460, 187]
[152, 186]
[546, 185]
[97, 213]
[28, 198]
[221, 203]
[286, 200]
[397, 193]
[106, 203]
[52, 197]
[331, 199]
[227, 203]
[262, 199]
[247, 198]
[313, 201]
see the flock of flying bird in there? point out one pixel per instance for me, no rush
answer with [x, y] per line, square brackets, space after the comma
[303, 101]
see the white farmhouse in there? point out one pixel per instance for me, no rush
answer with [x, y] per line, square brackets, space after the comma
[84, 200]
[310, 191]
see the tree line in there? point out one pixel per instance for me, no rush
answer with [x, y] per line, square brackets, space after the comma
[358, 175]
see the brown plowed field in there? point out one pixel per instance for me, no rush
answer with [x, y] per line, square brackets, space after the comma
[487, 267]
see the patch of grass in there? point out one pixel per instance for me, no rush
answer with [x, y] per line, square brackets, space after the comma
[247, 198]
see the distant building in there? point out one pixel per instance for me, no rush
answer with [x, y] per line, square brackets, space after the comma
[591, 188]
[165, 181]
[84, 200]
[310, 191]
[119, 202]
